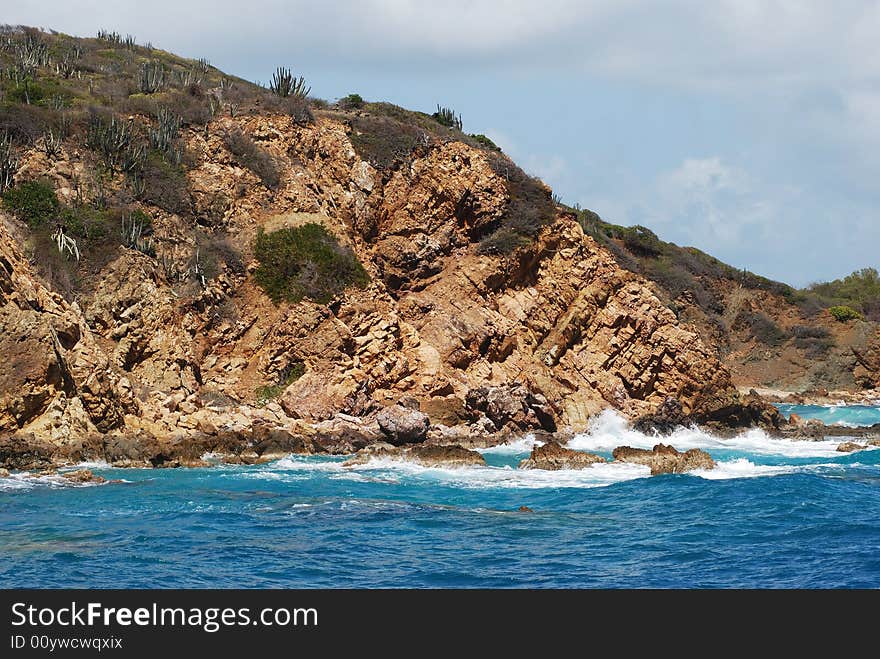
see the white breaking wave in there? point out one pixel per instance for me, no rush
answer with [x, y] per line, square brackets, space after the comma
[90, 464]
[521, 445]
[394, 472]
[609, 430]
[27, 481]
[742, 468]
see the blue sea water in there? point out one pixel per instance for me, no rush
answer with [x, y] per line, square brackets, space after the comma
[774, 513]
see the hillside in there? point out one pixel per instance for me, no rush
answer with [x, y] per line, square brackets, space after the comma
[766, 333]
[190, 262]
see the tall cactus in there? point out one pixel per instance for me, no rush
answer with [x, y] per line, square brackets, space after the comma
[447, 117]
[285, 84]
[8, 162]
[152, 77]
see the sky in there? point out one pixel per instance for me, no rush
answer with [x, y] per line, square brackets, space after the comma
[749, 129]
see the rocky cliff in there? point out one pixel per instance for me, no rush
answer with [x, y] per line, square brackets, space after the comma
[559, 326]
[162, 347]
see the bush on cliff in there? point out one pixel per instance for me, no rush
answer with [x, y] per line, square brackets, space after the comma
[33, 202]
[843, 313]
[305, 262]
[253, 157]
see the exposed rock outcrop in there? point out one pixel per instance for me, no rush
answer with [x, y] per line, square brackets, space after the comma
[427, 455]
[554, 456]
[664, 459]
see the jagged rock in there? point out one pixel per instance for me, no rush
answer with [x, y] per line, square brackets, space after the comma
[275, 441]
[664, 459]
[513, 404]
[849, 447]
[83, 476]
[427, 455]
[554, 456]
[664, 420]
[740, 412]
[402, 425]
[25, 451]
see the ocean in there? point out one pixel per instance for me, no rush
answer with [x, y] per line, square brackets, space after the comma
[773, 514]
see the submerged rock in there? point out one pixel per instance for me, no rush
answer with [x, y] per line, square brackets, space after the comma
[425, 455]
[554, 456]
[664, 459]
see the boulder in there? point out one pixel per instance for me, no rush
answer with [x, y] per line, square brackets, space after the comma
[4, 473]
[849, 447]
[664, 459]
[554, 456]
[403, 425]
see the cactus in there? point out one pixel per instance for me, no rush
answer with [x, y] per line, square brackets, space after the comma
[284, 84]
[166, 130]
[8, 162]
[110, 37]
[134, 226]
[65, 243]
[447, 117]
[152, 77]
[113, 139]
[51, 144]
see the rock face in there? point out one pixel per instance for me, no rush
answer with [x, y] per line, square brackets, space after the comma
[554, 456]
[152, 361]
[664, 459]
[867, 370]
[425, 455]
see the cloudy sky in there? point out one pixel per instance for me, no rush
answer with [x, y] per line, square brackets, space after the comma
[749, 129]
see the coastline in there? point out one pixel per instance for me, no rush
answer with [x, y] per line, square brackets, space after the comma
[262, 441]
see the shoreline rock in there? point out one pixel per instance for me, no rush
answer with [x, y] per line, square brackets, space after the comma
[553, 456]
[424, 455]
[664, 459]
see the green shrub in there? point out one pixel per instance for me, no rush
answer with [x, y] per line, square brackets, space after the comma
[502, 241]
[287, 377]
[482, 140]
[305, 262]
[165, 185]
[843, 313]
[642, 241]
[253, 157]
[86, 222]
[384, 141]
[351, 102]
[33, 202]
